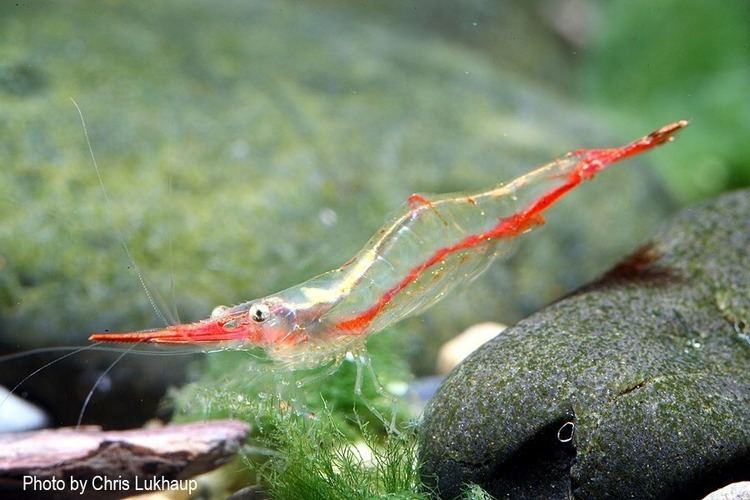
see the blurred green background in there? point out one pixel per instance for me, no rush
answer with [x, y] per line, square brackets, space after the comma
[247, 146]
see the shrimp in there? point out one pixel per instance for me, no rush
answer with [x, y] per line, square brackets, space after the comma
[433, 245]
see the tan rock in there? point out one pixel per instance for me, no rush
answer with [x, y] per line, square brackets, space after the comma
[458, 348]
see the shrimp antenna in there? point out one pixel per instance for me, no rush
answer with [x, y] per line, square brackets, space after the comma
[172, 295]
[145, 352]
[75, 350]
[120, 238]
[44, 366]
[98, 381]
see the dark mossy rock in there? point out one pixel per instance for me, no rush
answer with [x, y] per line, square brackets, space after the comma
[647, 370]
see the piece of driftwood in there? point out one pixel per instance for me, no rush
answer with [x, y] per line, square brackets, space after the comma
[60, 463]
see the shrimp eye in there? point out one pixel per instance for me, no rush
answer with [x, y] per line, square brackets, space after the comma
[259, 312]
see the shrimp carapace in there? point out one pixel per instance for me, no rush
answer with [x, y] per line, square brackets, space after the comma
[434, 244]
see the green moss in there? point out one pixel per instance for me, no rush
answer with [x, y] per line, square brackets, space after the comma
[316, 461]
[302, 444]
[300, 455]
[231, 383]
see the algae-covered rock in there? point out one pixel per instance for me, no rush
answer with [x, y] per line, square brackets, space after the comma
[637, 386]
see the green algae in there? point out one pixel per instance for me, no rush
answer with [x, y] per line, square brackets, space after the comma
[317, 441]
[230, 384]
[315, 462]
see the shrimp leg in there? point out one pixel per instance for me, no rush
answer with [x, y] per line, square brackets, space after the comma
[363, 363]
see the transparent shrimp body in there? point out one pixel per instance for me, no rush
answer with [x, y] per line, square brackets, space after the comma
[435, 244]
[313, 315]
[432, 245]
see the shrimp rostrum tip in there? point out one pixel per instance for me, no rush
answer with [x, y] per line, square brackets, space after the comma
[434, 244]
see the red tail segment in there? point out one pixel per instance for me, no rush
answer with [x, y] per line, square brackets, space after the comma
[591, 161]
[595, 160]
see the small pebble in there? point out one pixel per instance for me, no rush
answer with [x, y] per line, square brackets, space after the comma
[734, 491]
[457, 349]
[18, 415]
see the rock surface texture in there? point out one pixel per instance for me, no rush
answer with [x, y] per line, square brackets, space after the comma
[637, 386]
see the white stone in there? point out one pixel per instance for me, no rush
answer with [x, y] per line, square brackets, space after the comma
[17, 415]
[734, 491]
